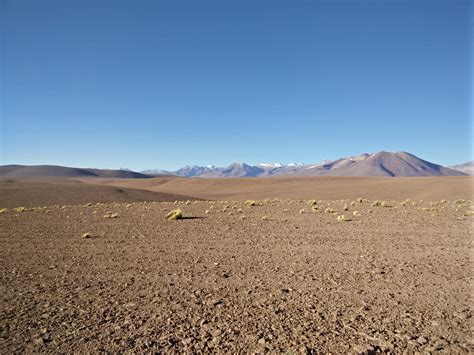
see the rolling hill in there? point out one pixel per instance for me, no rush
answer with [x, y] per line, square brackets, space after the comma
[23, 171]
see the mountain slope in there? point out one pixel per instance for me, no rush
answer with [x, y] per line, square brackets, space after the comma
[466, 168]
[21, 171]
[400, 164]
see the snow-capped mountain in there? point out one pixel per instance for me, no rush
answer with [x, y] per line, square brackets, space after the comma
[375, 164]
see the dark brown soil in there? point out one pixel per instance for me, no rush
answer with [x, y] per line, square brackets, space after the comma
[48, 192]
[395, 279]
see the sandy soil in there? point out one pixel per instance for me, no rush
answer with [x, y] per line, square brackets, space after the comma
[392, 279]
[427, 188]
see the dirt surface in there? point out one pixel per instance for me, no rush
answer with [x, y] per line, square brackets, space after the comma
[330, 188]
[392, 279]
[52, 191]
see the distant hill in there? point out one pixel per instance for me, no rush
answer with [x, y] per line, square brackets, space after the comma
[22, 171]
[376, 164]
[466, 168]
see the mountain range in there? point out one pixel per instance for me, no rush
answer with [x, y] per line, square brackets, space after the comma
[376, 164]
[388, 164]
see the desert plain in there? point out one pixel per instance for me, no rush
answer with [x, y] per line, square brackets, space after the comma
[255, 265]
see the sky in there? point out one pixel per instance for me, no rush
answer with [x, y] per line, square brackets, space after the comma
[161, 84]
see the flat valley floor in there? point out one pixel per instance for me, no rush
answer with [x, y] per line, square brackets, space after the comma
[277, 277]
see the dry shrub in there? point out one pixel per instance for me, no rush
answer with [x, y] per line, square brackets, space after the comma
[376, 204]
[175, 214]
[342, 218]
[329, 210]
[87, 235]
[20, 209]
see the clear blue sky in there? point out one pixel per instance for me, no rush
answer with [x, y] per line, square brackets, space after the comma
[162, 84]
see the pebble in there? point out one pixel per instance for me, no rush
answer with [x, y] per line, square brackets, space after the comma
[421, 340]
[362, 349]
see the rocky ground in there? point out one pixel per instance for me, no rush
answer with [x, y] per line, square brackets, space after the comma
[282, 275]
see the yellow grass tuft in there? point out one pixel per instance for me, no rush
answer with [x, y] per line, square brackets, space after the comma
[329, 210]
[346, 207]
[250, 203]
[312, 203]
[376, 204]
[356, 213]
[342, 218]
[87, 235]
[264, 218]
[20, 209]
[175, 214]
[3, 210]
[111, 215]
[207, 212]
[302, 211]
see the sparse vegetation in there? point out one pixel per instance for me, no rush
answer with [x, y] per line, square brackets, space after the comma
[356, 213]
[329, 210]
[376, 203]
[3, 210]
[87, 235]
[342, 218]
[264, 218]
[175, 214]
[111, 215]
[302, 211]
[20, 209]
[250, 203]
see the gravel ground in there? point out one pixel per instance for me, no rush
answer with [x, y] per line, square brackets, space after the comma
[283, 278]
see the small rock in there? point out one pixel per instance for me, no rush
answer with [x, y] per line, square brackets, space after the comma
[421, 340]
[363, 349]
